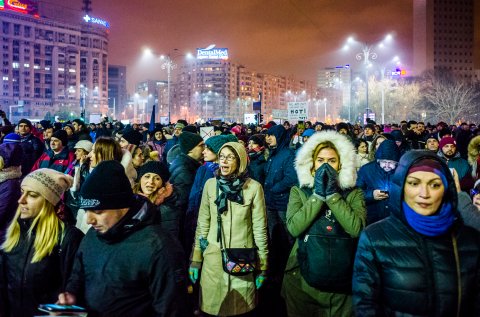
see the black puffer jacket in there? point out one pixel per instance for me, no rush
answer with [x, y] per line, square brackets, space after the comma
[25, 285]
[134, 269]
[400, 272]
[182, 175]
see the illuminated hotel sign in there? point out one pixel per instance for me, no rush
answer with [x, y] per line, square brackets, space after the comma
[23, 6]
[211, 52]
[94, 20]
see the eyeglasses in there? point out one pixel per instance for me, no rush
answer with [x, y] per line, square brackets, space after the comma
[228, 158]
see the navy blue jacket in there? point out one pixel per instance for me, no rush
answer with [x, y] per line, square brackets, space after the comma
[32, 149]
[256, 167]
[280, 174]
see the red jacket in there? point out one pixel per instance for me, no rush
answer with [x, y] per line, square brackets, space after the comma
[58, 162]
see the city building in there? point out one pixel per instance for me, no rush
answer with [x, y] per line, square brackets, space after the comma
[117, 89]
[54, 61]
[222, 89]
[444, 36]
[335, 86]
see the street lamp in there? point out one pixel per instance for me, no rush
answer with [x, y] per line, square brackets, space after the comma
[325, 106]
[169, 65]
[367, 55]
[83, 95]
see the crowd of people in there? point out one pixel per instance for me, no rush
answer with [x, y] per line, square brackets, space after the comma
[304, 219]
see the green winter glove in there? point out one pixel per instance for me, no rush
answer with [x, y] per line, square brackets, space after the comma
[260, 279]
[193, 271]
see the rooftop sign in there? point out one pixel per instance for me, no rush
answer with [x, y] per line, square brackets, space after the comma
[94, 20]
[211, 52]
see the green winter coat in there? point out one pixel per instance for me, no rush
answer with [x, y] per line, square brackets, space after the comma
[244, 226]
[304, 208]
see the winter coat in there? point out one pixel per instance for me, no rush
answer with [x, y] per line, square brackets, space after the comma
[134, 269]
[362, 159]
[280, 176]
[469, 212]
[256, 168]
[9, 195]
[400, 272]
[243, 226]
[371, 177]
[58, 162]
[158, 146]
[170, 144]
[182, 175]
[304, 209]
[25, 285]
[463, 169]
[204, 173]
[32, 149]
[166, 205]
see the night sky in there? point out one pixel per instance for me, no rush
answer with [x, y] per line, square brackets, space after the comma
[282, 37]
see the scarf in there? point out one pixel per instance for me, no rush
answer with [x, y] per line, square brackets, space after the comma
[431, 226]
[229, 189]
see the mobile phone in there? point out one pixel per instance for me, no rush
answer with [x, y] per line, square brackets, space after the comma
[384, 192]
[52, 308]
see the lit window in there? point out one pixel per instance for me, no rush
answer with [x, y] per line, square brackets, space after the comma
[47, 68]
[72, 70]
[61, 69]
[15, 65]
[36, 67]
[26, 65]
[5, 78]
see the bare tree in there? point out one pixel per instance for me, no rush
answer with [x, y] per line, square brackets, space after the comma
[447, 98]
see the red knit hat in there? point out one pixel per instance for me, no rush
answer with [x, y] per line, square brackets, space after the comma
[447, 140]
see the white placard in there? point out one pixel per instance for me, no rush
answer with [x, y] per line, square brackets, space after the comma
[249, 118]
[280, 114]
[206, 132]
[297, 111]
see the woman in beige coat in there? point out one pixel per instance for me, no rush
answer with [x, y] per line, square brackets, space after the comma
[241, 202]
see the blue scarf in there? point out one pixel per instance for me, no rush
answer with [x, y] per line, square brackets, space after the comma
[431, 226]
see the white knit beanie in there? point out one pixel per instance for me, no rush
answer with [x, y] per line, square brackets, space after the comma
[49, 183]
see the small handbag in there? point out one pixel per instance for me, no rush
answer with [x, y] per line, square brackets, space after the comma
[236, 261]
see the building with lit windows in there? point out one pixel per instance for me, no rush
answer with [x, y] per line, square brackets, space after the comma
[222, 89]
[117, 89]
[52, 62]
[444, 36]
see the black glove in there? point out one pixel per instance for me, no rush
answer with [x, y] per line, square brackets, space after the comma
[331, 185]
[320, 181]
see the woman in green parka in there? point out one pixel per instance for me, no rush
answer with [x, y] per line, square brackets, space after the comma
[241, 203]
[326, 214]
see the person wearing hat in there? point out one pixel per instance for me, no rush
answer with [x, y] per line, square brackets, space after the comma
[280, 177]
[81, 130]
[204, 173]
[157, 141]
[127, 265]
[474, 157]
[239, 201]
[37, 256]
[368, 133]
[58, 157]
[31, 145]
[10, 175]
[72, 138]
[257, 154]
[152, 183]
[421, 260]
[431, 143]
[448, 152]
[325, 214]
[177, 131]
[375, 180]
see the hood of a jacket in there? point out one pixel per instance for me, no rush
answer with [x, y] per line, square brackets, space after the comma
[140, 214]
[398, 181]
[388, 150]
[474, 150]
[281, 135]
[347, 176]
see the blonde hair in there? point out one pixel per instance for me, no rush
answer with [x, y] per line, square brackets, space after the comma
[48, 230]
[2, 163]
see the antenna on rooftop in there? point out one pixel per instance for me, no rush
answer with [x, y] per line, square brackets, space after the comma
[87, 6]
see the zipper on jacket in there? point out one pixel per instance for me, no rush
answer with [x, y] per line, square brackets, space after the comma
[306, 238]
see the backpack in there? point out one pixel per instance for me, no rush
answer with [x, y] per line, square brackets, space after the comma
[326, 254]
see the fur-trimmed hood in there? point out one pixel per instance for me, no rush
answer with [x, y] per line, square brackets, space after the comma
[347, 175]
[473, 150]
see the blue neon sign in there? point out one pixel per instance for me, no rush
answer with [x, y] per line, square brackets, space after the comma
[94, 20]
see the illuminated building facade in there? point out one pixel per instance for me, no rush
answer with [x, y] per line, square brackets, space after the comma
[50, 65]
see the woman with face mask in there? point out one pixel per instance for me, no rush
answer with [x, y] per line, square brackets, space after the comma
[325, 214]
[233, 215]
[421, 260]
[37, 256]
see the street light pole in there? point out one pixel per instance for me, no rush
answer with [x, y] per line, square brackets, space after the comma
[367, 55]
[168, 64]
[325, 106]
